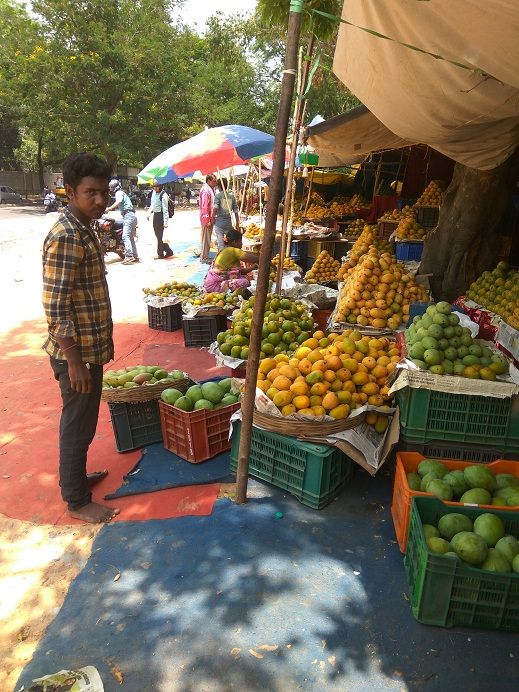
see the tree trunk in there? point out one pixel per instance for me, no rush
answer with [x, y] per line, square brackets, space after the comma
[465, 242]
[111, 157]
[41, 168]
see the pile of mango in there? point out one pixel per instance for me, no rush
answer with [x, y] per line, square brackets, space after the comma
[355, 228]
[432, 195]
[498, 291]
[410, 229]
[339, 208]
[253, 232]
[140, 376]
[331, 375]
[288, 263]
[398, 214]
[286, 324]
[174, 288]
[377, 292]
[365, 242]
[317, 212]
[325, 268]
[219, 300]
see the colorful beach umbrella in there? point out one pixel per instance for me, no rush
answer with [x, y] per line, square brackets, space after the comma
[207, 152]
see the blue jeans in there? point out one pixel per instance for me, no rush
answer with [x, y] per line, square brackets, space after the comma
[129, 228]
[220, 232]
[76, 431]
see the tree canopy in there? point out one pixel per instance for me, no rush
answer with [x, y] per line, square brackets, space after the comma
[127, 78]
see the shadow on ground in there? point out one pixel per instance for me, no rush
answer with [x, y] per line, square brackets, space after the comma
[242, 600]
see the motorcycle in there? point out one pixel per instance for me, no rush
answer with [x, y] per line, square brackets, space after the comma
[110, 235]
[50, 203]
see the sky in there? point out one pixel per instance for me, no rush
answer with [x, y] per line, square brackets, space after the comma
[196, 12]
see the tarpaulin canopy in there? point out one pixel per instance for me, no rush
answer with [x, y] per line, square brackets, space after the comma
[347, 138]
[465, 101]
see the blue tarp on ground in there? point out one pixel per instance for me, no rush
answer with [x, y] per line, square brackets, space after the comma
[242, 600]
[158, 469]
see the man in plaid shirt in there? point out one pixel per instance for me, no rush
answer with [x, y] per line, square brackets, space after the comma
[79, 341]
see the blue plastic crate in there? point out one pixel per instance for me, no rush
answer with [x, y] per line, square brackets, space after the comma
[299, 251]
[419, 308]
[409, 252]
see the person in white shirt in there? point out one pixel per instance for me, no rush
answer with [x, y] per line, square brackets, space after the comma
[159, 208]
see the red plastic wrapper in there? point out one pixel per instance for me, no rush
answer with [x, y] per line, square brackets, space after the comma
[483, 318]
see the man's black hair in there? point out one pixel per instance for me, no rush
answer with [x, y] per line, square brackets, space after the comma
[210, 177]
[83, 165]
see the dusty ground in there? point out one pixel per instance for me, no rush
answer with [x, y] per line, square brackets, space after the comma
[37, 563]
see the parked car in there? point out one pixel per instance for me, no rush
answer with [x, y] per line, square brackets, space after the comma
[7, 194]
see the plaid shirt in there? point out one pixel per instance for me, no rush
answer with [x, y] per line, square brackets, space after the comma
[75, 291]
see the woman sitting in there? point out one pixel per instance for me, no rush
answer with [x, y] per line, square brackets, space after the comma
[226, 272]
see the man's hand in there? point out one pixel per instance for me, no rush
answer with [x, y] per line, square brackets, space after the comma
[80, 378]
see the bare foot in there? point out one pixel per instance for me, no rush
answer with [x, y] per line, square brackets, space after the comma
[94, 513]
[96, 477]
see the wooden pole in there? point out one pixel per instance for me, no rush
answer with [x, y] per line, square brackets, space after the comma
[310, 189]
[263, 280]
[377, 176]
[259, 190]
[299, 110]
[244, 193]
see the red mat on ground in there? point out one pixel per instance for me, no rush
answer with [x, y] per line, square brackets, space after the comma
[30, 404]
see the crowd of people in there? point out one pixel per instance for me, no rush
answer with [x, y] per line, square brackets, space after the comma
[77, 304]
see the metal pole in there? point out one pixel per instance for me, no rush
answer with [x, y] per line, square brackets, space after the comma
[262, 286]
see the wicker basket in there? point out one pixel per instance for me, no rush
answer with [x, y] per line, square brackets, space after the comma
[300, 428]
[145, 392]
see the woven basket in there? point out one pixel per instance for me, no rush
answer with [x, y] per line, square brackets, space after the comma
[299, 428]
[145, 392]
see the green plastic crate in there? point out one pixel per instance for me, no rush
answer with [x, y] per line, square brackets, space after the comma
[314, 473]
[429, 415]
[445, 592]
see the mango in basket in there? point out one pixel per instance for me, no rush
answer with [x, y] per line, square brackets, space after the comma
[139, 376]
[331, 375]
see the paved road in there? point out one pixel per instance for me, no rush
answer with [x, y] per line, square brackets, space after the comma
[22, 231]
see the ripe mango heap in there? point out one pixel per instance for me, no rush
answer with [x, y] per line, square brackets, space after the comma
[436, 342]
[476, 484]
[377, 292]
[366, 241]
[288, 263]
[253, 232]
[325, 268]
[317, 212]
[406, 212]
[431, 196]
[139, 375]
[286, 325]
[208, 395]
[331, 375]
[498, 291]
[409, 229]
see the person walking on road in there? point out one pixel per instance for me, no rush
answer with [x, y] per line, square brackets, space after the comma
[160, 209]
[79, 341]
[124, 204]
[206, 205]
[224, 204]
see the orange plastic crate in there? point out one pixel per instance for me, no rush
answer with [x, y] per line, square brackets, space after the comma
[407, 462]
[196, 435]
